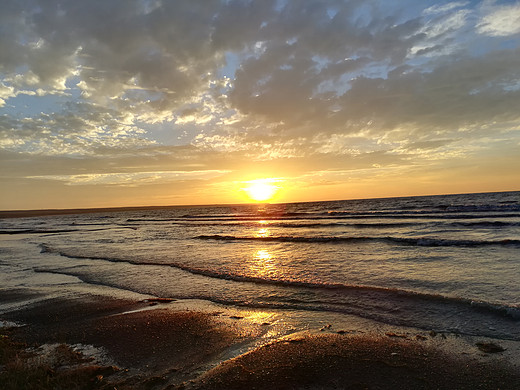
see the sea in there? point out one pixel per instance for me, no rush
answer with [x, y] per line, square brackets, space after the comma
[447, 263]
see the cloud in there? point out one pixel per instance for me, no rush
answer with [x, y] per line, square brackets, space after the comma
[112, 47]
[500, 21]
[80, 130]
[443, 8]
[138, 86]
[132, 179]
[426, 145]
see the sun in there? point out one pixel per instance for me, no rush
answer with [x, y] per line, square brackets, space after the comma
[261, 190]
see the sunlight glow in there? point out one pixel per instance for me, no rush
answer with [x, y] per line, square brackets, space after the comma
[263, 232]
[261, 190]
[263, 255]
[264, 265]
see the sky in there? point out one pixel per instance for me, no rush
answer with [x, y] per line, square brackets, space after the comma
[157, 102]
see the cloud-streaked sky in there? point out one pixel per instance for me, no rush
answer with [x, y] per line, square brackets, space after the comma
[150, 102]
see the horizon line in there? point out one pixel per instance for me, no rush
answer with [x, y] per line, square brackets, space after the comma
[21, 213]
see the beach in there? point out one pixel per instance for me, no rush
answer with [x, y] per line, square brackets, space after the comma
[173, 344]
[240, 194]
[396, 293]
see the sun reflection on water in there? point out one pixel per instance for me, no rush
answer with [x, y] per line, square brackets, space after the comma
[263, 255]
[262, 232]
[264, 265]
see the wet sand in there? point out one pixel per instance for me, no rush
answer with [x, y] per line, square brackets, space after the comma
[359, 362]
[160, 345]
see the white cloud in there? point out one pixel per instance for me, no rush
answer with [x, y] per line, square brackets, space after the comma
[451, 22]
[501, 21]
[436, 9]
[81, 130]
[131, 179]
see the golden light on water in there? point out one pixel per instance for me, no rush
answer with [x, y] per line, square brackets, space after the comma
[262, 232]
[263, 255]
[264, 265]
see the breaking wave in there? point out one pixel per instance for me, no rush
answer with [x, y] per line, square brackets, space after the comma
[372, 292]
[419, 241]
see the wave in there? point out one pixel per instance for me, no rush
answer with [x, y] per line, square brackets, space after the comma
[500, 207]
[256, 215]
[437, 211]
[415, 215]
[321, 223]
[476, 315]
[58, 231]
[324, 212]
[376, 293]
[420, 241]
[360, 225]
[152, 219]
[38, 231]
[90, 224]
[337, 215]
[265, 223]
[486, 224]
[383, 225]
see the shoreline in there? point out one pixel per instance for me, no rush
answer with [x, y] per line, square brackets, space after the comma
[188, 344]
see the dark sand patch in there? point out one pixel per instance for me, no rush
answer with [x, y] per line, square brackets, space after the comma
[155, 338]
[14, 296]
[58, 317]
[146, 343]
[356, 362]
[157, 347]
[161, 339]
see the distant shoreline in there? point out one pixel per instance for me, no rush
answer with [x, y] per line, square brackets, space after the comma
[50, 212]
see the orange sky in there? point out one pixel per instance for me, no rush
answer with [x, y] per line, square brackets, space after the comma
[130, 103]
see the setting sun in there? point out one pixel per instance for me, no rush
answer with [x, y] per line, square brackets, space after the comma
[261, 190]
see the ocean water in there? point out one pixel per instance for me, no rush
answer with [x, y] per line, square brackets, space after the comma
[446, 263]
